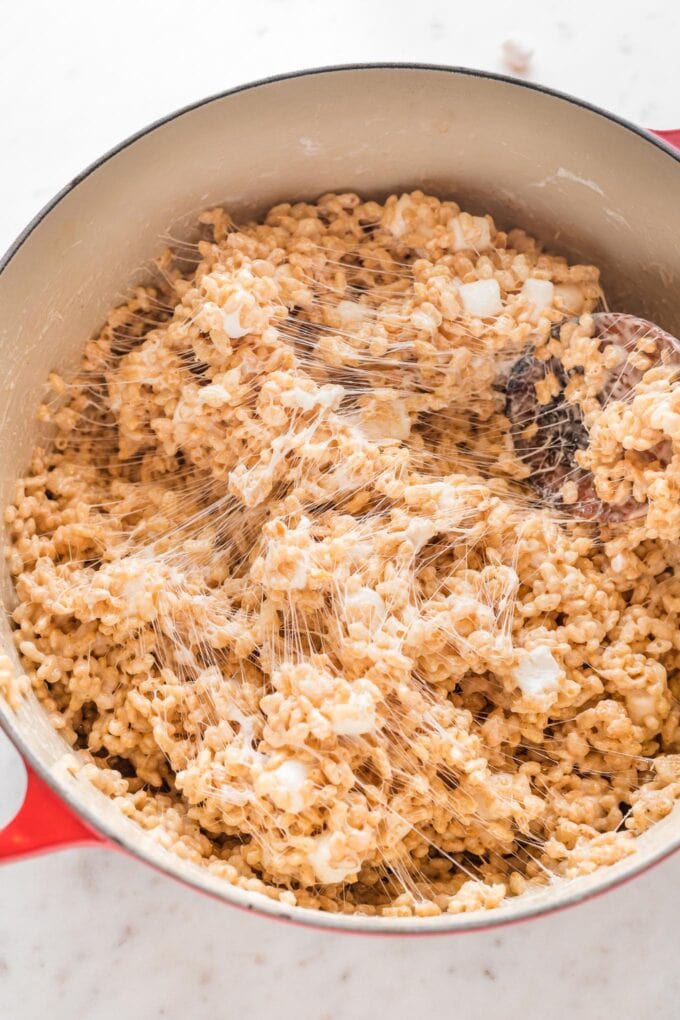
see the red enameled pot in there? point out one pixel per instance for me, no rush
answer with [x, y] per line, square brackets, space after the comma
[592, 185]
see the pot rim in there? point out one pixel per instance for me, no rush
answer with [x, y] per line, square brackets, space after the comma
[257, 903]
[469, 72]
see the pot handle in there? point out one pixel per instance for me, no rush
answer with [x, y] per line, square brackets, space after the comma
[44, 822]
[672, 137]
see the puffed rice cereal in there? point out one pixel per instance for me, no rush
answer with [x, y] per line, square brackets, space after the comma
[286, 583]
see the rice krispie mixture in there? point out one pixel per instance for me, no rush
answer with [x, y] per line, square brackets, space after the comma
[304, 583]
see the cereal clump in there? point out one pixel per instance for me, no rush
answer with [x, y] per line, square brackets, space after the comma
[282, 584]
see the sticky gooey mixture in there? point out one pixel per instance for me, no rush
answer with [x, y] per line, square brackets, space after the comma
[289, 588]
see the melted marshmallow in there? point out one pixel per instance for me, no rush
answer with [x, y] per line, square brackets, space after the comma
[232, 324]
[350, 313]
[324, 396]
[538, 672]
[569, 297]
[355, 716]
[398, 225]
[320, 859]
[289, 779]
[481, 298]
[540, 293]
[364, 604]
[481, 240]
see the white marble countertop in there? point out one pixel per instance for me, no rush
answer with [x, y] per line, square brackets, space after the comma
[91, 935]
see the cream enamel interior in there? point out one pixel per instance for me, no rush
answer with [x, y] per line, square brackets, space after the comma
[590, 186]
